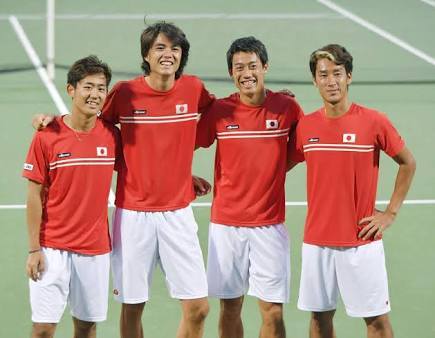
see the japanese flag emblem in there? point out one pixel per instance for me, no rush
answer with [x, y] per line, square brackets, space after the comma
[349, 138]
[101, 151]
[181, 108]
[272, 124]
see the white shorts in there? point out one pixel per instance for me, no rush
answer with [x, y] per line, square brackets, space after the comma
[82, 281]
[357, 273]
[141, 240]
[252, 259]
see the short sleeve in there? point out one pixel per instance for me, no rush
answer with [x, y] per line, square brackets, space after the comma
[205, 100]
[119, 155]
[36, 164]
[294, 146]
[206, 129]
[110, 112]
[388, 139]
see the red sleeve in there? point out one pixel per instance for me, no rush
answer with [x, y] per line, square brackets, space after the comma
[110, 112]
[36, 165]
[206, 129]
[119, 155]
[294, 147]
[205, 100]
[388, 139]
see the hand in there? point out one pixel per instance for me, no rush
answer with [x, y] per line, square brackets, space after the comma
[40, 121]
[376, 224]
[35, 265]
[201, 186]
[287, 92]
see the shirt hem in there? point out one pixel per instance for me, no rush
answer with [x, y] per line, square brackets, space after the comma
[152, 209]
[343, 244]
[248, 224]
[78, 251]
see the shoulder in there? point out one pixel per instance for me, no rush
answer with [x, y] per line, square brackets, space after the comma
[191, 79]
[284, 100]
[127, 85]
[370, 114]
[310, 117]
[107, 126]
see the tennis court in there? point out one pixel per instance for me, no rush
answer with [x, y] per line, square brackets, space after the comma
[393, 46]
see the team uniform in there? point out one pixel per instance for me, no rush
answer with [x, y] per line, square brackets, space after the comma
[153, 222]
[75, 170]
[342, 157]
[248, 242]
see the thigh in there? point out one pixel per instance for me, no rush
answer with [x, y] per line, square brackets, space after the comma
[48, 296]
[362, 278]
[180, 254]
[269, 263]
[318, 289]
[227, 262]
[89, 287]
[134, 254]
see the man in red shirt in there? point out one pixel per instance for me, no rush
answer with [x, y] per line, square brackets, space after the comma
[69, 170]
[342, 251]
[248, 241]
[153, 222]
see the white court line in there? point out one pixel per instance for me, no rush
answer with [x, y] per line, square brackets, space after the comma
[34, 58]
[429, 2]
[186, 16]
[288, 203]
[375, 29]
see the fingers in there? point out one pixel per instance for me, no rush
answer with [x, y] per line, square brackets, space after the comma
[366, 220]
[35, 267]
[201, 186]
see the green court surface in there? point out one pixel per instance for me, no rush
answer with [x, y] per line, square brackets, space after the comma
[387, 76]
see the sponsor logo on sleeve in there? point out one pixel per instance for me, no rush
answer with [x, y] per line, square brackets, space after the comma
[28, 166]
[232, 126]
[313, 139]
[272, 124]
[181, 108]
[139, 111]
[101, 151]
[63, 155]
[349, 138]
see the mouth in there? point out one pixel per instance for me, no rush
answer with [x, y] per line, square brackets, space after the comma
[92, 104]
[248, 84]
[166, 63]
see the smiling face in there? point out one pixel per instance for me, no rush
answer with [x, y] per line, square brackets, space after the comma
[332, 81]
[163, 57]
[248, 74]
[89, 94]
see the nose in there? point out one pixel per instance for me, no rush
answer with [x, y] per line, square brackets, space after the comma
[94, 92]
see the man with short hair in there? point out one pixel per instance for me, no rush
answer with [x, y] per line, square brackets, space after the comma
[69, 170]
[342, 251]
[153, 222]
[249, 248]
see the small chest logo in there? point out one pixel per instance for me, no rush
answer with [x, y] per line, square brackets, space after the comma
[63, 155]
[232, 126]
[272, 124]
[181, 108]
[101, 151]
[349, 138]
[28, 166]
[313, 139]
[140, 111]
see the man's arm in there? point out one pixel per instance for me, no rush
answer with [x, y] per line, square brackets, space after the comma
[35, 260]
[40, 121]
[379, 222]
[200, 185]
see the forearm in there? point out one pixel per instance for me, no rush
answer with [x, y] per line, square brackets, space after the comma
[401, 187]
[34, 215]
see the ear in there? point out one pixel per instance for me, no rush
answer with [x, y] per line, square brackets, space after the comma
[70, 90]
[265, 67]
[349, 78]
[314, 82]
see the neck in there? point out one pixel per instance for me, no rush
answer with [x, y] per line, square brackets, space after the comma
[159, 82]
[336, 109]
[80, 122]
[255, 99]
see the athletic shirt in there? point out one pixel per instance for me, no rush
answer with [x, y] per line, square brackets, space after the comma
[342, 157]
[75, 169]
[158, 139]
[250, 163]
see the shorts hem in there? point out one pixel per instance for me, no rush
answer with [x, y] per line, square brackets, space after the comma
[369, 314]
[45, 321]
[131, 301]
[187, 297]
[313, 309]
[90, 319]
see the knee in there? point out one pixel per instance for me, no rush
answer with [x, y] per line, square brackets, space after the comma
[231, 307]
[43, 330]
[132, 311]
[379, 324]
[272, 314]
[197, 311]
[322, 320]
